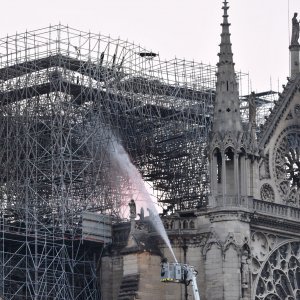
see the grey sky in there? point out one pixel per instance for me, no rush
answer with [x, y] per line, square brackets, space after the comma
[186, 28]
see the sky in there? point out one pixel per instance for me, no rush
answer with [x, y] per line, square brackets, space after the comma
[190, 29]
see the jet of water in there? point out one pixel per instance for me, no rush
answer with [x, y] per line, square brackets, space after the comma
[121, 158]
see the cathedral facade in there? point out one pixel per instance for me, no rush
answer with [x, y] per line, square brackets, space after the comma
[246, 243]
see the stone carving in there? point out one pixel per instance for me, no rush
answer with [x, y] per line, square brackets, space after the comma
[132, 215]
[272, 240]
[259, 246]
[252, 110]
[297, 110]
[245, 268]
[264, 169]
[279, 276]
[289, 116]
[287, 165]
[191, 242]
[262, 243]
[142, 214]
[230, 241]
[267, 193]
[295, 31]
[213, 239]
[224, 141]
[132, 209]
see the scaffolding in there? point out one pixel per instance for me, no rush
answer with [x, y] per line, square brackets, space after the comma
[64, 96]
[264, 104]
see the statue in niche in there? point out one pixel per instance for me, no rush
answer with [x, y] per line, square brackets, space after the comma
[245, 273]
[295, 30]
[132, 210]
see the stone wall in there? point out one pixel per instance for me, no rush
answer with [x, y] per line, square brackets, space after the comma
[111, 277]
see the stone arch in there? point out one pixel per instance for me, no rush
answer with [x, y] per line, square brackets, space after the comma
[171, 224]
[185, 224]
[216, 150]
[213, 240]
[230, 243]
[180, 224]
[229, 149]
[217, 164]
[230, 170]
[192, 225]
[246, 247]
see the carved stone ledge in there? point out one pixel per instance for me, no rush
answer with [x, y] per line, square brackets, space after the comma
[229, 215]
[275, 223]
[194, 241]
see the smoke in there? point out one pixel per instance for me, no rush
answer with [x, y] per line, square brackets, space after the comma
[139, 191]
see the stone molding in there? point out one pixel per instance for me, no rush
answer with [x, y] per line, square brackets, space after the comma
[224, 246]
[269, 127]
[191, 241]
[229, 215]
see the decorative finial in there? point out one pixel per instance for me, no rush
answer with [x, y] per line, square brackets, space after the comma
[225, 46]
[225, 8]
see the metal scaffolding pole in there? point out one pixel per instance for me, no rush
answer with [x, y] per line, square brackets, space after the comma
[64, 96]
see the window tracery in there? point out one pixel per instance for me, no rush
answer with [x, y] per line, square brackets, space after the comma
[280, 275]
[267, 193]
[287, 165]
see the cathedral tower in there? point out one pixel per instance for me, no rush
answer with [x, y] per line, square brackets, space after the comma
[232, 174]
[233, 169]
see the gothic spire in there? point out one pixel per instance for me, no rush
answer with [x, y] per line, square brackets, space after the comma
[227, 112]
[232, 175]
[225, 55]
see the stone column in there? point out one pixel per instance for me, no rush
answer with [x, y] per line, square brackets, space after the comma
[213, 174]
[223, 178]
[236, 178]
[244, 175]
[294, 60]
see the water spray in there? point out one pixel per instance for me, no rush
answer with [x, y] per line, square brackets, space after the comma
[127, 168]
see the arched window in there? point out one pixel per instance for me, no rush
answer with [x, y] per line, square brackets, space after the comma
[171, 225]
[218, 158]
[185, 224]
[192, 225]
[166, 225]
